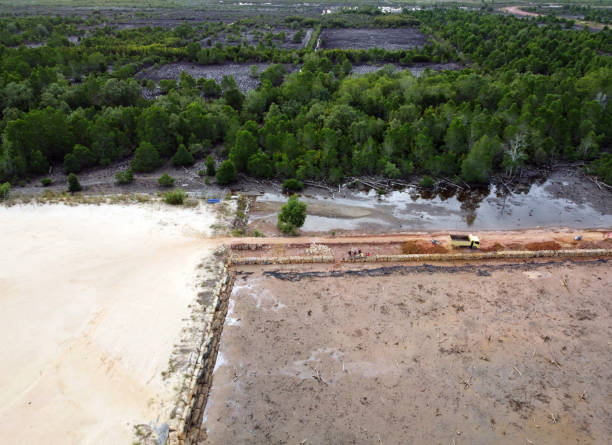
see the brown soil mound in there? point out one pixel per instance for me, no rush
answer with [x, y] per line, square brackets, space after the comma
[414, 247]
[544, 245]
[494, 248]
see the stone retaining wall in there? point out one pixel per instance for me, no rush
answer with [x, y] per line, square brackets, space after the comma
[510, 254]
[190, 420]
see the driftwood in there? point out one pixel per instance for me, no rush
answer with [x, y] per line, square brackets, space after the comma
[319, 185]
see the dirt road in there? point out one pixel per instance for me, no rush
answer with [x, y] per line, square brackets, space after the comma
[537, 239]
[516, 10]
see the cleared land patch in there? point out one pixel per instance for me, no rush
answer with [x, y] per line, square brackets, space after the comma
[240, 71]
[358, 38]
[478, 353]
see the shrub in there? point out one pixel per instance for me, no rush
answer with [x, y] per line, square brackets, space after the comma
[211, 166]
[292, 216]
[427, 182]
[182, 156]
[175, 197]
[201, 173]
[125, 177]
[46, 182]
[166, 180]
[226, 173]
[293, 185]
[603, 167]
[5, 189]
[146, 158]
[73, 183]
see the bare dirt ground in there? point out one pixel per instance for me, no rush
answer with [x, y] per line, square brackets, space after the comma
[389, 39]
[99, 314]
[516, 10]
[454, 354]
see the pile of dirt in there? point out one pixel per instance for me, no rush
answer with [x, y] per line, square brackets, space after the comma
[414, 247]
[494, 248]
[543, 245]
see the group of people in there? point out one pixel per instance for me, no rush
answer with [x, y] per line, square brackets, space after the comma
[355, 254]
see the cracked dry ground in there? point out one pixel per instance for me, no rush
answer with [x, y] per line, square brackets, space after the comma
[479, 355]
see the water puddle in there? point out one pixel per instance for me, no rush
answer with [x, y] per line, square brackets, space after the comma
[556, 202]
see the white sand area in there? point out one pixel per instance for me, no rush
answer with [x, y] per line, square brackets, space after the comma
[92, 299]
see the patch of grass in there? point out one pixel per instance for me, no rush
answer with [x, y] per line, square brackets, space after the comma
[175, 197]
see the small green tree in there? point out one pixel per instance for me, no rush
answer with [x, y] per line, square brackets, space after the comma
[292, 216]
[292, 185]
[226, 173]
[5, 189]
[182, 156]
[211, 166]
[427, 182]
[73, 183]
[166, 180]
[146, 158]
[46, 182]
[124, 177]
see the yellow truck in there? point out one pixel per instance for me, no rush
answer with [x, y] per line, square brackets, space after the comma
[470, 241]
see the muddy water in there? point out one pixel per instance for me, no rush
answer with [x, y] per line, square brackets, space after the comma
[560, 201]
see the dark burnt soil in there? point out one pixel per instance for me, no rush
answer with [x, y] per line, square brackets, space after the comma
[356, 38]
[512, 355]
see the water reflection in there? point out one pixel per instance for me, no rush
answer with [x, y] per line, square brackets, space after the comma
[544, 203]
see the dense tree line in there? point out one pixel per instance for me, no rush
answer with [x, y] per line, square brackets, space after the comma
[532, 95]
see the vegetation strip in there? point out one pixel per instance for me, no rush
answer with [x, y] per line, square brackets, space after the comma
[72, 99]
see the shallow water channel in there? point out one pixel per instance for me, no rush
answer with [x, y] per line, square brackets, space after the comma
[558, 201]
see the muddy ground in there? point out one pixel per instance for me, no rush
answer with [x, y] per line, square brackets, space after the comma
[469, 354]
[564, 198]
[389, 39]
